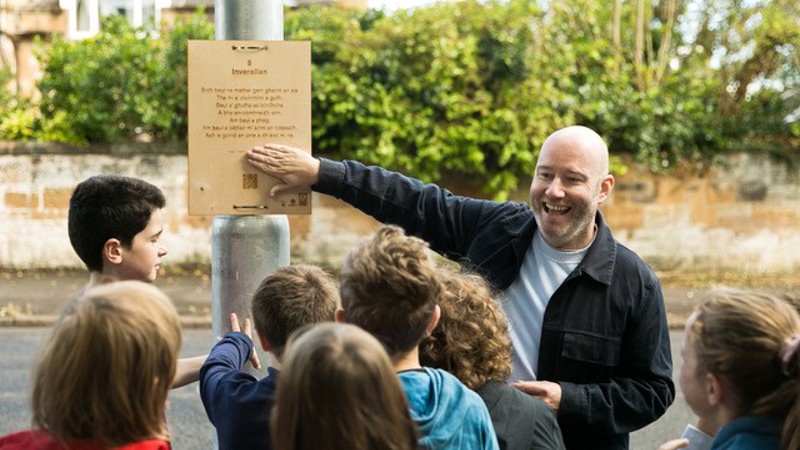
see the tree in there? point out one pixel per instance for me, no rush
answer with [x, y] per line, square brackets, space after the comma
[121, 83]
[474, 88]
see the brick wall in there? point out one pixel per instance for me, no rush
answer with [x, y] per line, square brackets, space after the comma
[743, 216]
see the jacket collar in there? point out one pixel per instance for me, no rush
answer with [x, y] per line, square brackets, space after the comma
[599, 260]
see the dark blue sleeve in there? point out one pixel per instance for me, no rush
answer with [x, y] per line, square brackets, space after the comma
[448, 222]
[221, 376]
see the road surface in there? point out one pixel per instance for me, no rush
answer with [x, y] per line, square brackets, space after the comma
[187, 420]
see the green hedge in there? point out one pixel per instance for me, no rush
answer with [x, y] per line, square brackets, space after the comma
[471, 88]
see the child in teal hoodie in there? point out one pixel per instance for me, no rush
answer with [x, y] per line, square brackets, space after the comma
[389, 287]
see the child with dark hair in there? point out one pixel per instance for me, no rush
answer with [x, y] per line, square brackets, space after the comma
[115, 227]
[339, 392]
[471, 342]
[390, 287]
[104, 373]
[237, 403]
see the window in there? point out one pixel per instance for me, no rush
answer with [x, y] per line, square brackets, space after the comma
[139, 13]
[83, 18]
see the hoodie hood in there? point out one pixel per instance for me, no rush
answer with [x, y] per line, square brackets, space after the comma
[447, 413]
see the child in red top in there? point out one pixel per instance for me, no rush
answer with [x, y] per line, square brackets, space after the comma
[104, 373]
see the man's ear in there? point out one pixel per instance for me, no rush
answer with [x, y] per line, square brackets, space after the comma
[437, 314]
[341, 317]
[112, 251]
[606, 186]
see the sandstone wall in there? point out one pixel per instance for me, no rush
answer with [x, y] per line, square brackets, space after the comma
[744, 216]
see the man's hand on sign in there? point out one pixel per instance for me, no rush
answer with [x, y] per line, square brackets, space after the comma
[295, 168]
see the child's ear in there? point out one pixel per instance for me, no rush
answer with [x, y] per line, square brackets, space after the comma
[112, 251]
[437, 314]
[714, 389]
[341, 317]
[264, 343]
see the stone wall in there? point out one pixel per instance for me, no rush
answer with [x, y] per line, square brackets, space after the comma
[744, 216]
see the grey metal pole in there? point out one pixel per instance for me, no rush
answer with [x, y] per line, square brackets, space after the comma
[248, 19]
[245, 248]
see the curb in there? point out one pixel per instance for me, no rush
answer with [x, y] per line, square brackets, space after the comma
[675, 321]
[26, 321]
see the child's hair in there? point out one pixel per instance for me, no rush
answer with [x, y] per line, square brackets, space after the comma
[289, 298]
[103, 207]
[471, 340]
[738, 336]
[105, 371]
[338, 390]
[389, 287]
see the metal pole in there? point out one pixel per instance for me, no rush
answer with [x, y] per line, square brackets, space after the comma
[248, 19]
[245, 248]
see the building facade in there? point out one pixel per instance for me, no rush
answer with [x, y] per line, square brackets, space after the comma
[22, 22]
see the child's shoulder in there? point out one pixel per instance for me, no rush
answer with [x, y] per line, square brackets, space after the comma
[437, 381]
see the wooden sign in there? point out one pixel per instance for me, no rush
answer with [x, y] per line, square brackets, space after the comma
[241, 94]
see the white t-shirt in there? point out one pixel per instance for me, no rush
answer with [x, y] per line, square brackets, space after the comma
[542, 272]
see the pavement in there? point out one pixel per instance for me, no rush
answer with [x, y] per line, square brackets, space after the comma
[31, 298]
[35, 298]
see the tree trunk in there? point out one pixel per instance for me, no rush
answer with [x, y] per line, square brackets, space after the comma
[638, 58]
[666, 42]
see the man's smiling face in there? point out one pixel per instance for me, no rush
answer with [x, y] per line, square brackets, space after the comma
[570, 183]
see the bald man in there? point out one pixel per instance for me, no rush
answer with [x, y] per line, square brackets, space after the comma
[588, 323]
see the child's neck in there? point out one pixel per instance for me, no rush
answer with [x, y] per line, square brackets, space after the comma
[407, 361]
[99, 278]
[274, 362]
